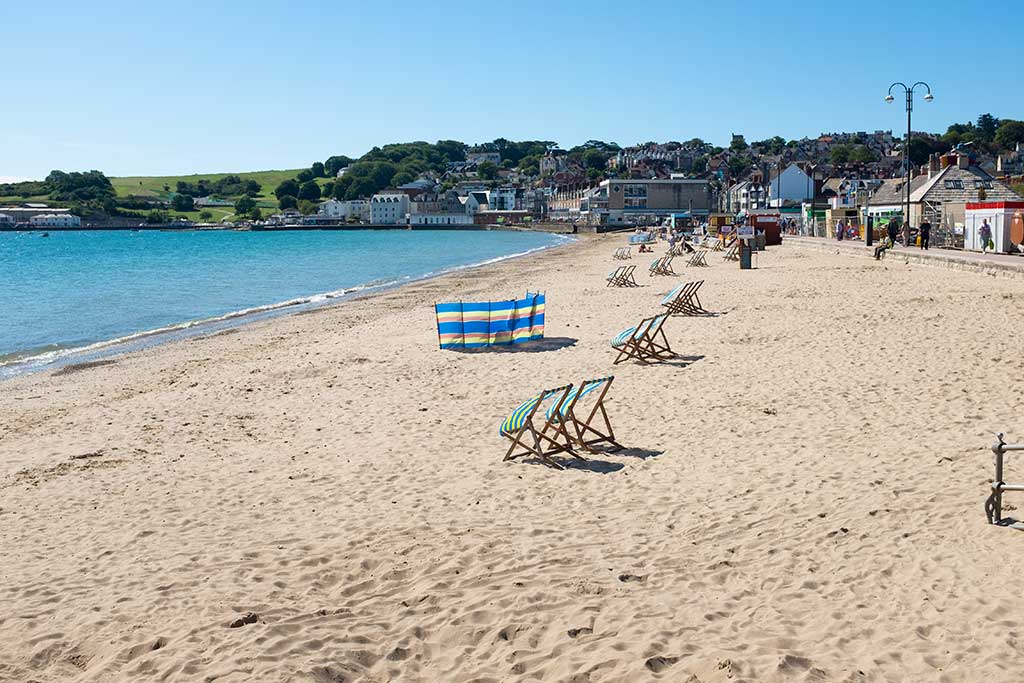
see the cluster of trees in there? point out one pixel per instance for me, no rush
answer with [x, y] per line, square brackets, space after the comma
[855, 154]
[228, 186]
[988, 134]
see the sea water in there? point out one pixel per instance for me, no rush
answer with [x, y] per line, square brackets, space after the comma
[75, 292]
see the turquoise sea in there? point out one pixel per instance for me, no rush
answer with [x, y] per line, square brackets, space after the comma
[77, 293]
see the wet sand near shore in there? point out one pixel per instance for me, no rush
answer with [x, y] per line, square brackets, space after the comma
[322, 497]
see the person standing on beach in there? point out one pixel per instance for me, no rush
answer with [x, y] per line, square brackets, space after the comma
[985, 232]
[925, 232]
[840, 229]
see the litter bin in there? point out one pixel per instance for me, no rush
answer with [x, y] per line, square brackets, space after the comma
[746, 251]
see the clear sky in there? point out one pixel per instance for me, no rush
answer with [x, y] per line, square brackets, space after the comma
[147, 88]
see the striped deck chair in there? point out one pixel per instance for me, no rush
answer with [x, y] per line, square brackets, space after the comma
[613, 277]
[732, 254]
[585, 427]
[622, 277]
[645, 342]
[683, 299]
[698, 258]
[622, 253]
[716, 244]
[661, 266]
[548, 438]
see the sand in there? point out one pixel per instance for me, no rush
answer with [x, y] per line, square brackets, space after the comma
[322, 497]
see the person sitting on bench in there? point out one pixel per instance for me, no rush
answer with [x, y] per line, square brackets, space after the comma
[881, 248]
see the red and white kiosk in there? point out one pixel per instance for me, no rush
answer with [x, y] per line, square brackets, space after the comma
[1006, 220]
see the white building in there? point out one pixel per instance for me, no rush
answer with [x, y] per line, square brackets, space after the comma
[389, 208]
[55, 220]
[344, 210]
[792, 185]
[480, 157]
[503, 199]
[441, 219]
[6, 221]
[476, 202]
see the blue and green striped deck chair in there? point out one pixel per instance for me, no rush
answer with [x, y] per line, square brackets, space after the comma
[645, 342]
[683, 299]
[549, 437]
[585, 424]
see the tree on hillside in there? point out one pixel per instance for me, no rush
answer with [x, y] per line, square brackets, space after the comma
[288, 187]
[921, 148]
[309, 191]
[738, 144]
[307, 207]
[304, 176]
[317, 169]
[361, 188]
[182, 202]
[861, 155]
[287, 202]
[987, 126]
[244, 205]
[205, 215]
[252, 188]
[840, 154]
[401, 178]
[1009, 134]
[335, 164]
[487, 170]
[738, 165]
[595, 159]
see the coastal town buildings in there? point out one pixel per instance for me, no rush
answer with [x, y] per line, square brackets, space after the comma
[389, 207]
[6, 221]
[55, 220]
[350, 209]
[790, 185]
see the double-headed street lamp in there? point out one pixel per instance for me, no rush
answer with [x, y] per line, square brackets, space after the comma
[906, 146]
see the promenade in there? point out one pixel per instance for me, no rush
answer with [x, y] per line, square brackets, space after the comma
[1005, 264]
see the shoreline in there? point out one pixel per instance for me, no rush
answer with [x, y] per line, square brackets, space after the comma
[18, 366]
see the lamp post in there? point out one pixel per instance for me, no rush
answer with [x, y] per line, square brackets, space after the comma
[909, 90]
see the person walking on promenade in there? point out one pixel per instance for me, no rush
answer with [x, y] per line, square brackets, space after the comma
[985, 232]
[925, 232]
[840, 229]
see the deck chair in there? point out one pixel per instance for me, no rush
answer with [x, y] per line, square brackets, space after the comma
[716, 244]
[622, 253]
[538, 432]
[613, 276]
[585, 426]
[661, 266]
[683, 299]
[732, 254]
[645, 342]
[622, 277]
[697, 258]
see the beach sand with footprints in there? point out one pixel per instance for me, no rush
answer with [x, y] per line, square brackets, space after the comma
[322, 497]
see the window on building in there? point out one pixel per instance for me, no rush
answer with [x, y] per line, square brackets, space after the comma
[987, 184]
[954, 184]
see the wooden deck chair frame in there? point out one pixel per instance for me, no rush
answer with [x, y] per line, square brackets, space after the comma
[550, 439]
[613, 276]
[716, 244]
[732, 254]
[698, 258]
[623, 277]
[686, 300]
[644, 345]
[586, 432]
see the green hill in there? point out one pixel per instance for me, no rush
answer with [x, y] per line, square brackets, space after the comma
[162, 188]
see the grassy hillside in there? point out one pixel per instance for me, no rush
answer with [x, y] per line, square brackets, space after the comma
[153, 186]
[161, 188]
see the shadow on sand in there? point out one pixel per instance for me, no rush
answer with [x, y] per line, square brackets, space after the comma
[539, 346]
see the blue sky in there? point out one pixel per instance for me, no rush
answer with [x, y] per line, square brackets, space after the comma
[140, 88]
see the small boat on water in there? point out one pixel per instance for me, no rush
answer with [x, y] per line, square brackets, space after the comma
[46, 234]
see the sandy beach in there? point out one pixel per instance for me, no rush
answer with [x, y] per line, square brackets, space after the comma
[321, 497]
